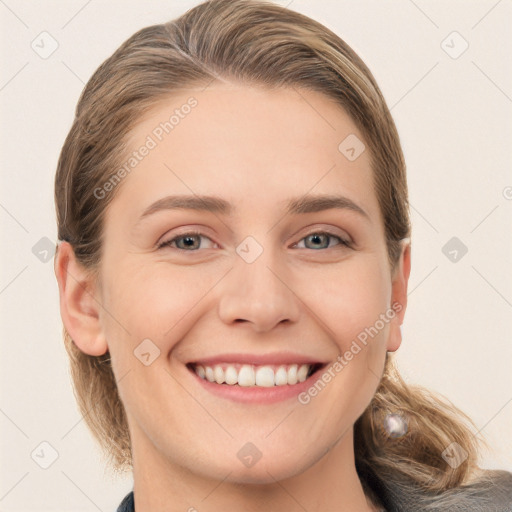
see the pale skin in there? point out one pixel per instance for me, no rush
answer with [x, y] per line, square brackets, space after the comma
[256, 149]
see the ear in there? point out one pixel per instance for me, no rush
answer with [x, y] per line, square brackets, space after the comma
[79, 306]
[399, 296]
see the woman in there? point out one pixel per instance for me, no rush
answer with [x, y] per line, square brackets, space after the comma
[233, 268]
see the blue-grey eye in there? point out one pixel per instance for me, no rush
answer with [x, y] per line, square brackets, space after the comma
[188, 242]
[321, 240]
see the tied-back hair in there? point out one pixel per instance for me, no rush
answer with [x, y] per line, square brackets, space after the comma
[260, 44]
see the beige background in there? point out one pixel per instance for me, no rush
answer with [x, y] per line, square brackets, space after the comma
[454, 118]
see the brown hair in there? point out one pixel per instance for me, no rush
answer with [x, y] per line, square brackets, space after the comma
[258, 43]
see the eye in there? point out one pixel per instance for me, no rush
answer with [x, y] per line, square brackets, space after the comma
[192, 241]
[187, 242]
[321, 240]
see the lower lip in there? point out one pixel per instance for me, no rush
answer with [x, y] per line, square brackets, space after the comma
[257, 394]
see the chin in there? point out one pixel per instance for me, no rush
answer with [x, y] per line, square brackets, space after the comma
[264, 473]
[271, 466]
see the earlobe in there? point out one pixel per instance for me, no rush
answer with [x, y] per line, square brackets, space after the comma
[79, 308]
[399, 297]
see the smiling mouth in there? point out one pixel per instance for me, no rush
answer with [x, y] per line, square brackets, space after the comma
[250, 375]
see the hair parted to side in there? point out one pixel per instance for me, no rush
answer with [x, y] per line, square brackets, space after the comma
[262, 44]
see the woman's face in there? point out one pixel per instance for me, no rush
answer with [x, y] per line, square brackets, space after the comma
[275, 257]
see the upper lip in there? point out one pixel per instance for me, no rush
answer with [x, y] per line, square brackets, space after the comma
[258, 359]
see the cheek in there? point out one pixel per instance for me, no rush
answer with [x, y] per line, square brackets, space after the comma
[151, 308]
[348, 298]
[352, 305]
[154, 301]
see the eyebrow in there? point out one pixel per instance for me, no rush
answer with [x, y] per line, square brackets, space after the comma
[217, 205]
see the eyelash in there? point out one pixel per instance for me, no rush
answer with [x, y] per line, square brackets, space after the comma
[168, 243]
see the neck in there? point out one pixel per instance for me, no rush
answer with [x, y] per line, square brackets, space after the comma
[331, 483]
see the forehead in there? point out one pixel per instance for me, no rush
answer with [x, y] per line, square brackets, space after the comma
[251, 145]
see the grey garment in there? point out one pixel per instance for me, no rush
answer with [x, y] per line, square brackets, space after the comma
[491, 494]
[127, 504]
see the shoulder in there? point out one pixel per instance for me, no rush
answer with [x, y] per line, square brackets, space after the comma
[127, 504]
[492, 492]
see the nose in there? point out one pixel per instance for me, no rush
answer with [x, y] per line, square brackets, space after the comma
[258, 294]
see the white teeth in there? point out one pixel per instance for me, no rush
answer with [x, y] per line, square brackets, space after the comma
[209, 374]
[265, 376]
[292, 374]
[200, 372]
[246, 376]
[302, 373]
[249, 375]
[231, 375]
[218, 373]
[281, 376]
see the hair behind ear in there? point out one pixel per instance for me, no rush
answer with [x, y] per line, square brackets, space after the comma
[433, 424]
[99, 403]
